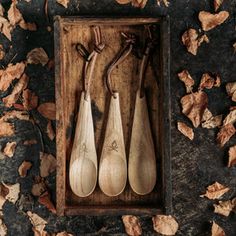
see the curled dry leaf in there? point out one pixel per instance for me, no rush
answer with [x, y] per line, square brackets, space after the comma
[17, 90]
[216, 230]
[45, 199]
[23, 168]
[50, 131]
[10, 73]
[48, 110]
[132, 225]
[194, 105]
[21, 115]
[230, 118]
[225, 207]
[30, 100]
[185, 77]
[166, 225]
[38, 224]
[9, 149]
[217, 4]
[64, 233]
[3, 228]
[231, 90]
[5, 27]
[215, 191]
[165, 2]
[124, 1]
[48, 164]
[192, 40]
[209, 121]
[225, 133]
[13, 192]
[139, 3]
[210, 21]
[208, 81]
[232, 156]
[64, 3]
[6, 129]
[39, 187]
[185, 130]
[37, 56]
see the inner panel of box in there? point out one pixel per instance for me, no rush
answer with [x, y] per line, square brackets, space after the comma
[125, 81]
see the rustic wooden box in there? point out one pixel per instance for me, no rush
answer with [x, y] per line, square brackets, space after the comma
[72, 30]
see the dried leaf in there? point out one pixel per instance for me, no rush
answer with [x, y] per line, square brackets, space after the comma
[185, 130]
[64, 233]
[23, 168]
[5, 27]
[48, 164]
[132, 225]
[225, 133]
[3, 192]
[28, 26]
[14, 14]
[166, 225]
[192, 40]
[185, 77]
[231, 90]
[3, 228]
[39, 187]
[21, 115]
[30, 100]
[64, 3]
[2, 53]
[124, 1]
[139, 3]
[217, 4]
[19, 87]
[215, 191]
[38, 224]
[210, 121]
[216, 230]
[208, 82]
[165, 2]
[230, 118]
[6, 129]
[210, 21]
[9, 149]
[194, 105]
[225, 207]
[48, 110]
[30, 142]
[13, 192]
[232, 156]
[50, 131]
[45, 199]
[2, 10]
[10, 73]
[37, 56]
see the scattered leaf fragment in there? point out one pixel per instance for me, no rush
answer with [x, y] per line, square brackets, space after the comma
[165, 2]
[6, 129]
[5, 27]
[124, 1]
[39, 187]
[37, 56]
[217, 4]
[64, 233]
[216, 230]
[215, 191]
[3, 228]
[132, 225]
[185, 77]
[208, 81]
[13, 192]
[30, 100]
[225, 133]
[225, 207]
[209, 121]
[194, 105]
[23, 168]
[47, 165]
[45, 199]
[38, 224]
[139, 3]
[21, 115]
[50, 131]
[2, 10]
[185, 130]
[166, 225]
[231, 90]
[9, 149]
[210, 21]
[2, 53]
[192, 40]
[64, 3]
[232, 156]
[48, 110]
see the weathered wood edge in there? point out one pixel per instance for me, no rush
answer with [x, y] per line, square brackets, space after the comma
[61, 162]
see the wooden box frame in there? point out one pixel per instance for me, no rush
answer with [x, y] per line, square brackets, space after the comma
[63, 207]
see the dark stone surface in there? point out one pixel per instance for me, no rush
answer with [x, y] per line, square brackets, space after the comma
[195, 164]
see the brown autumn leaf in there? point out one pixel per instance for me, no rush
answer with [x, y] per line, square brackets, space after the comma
[215, 191]
[16, 92]
[225, 133]
[225, 207]
[210, 21]
[10, 73]
[39, 187]
[13, 192]
[217, 4]
[48, 110]
[23, 168]
[64, 3]
[45, 199]
[30, 100]
[192, 40]
[9, 149]
[5, 27]
[132, 225]
[185, 77]
[3, 228]
[185, 130]
[208, 81]
[216, 230]
[232, 156]
[50, 131]
[6, 129]
[48, 164]
[21, 115]
[123, 1]
[139, 3]
[3, 192]
[166, 225]
[38, 224]
[64, 233]
[2, 52]
[230, 118]
[231, 90]
[2, 10]
[194, 105]
[209, 121]
[165, 2]
[37, 56]
[30, 142]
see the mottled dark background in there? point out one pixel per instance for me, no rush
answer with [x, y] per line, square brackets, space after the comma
[195, 164]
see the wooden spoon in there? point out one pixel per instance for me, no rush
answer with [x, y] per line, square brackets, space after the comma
[142, 160]
[83, 162]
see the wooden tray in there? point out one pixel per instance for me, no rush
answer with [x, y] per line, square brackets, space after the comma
[72, 30]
